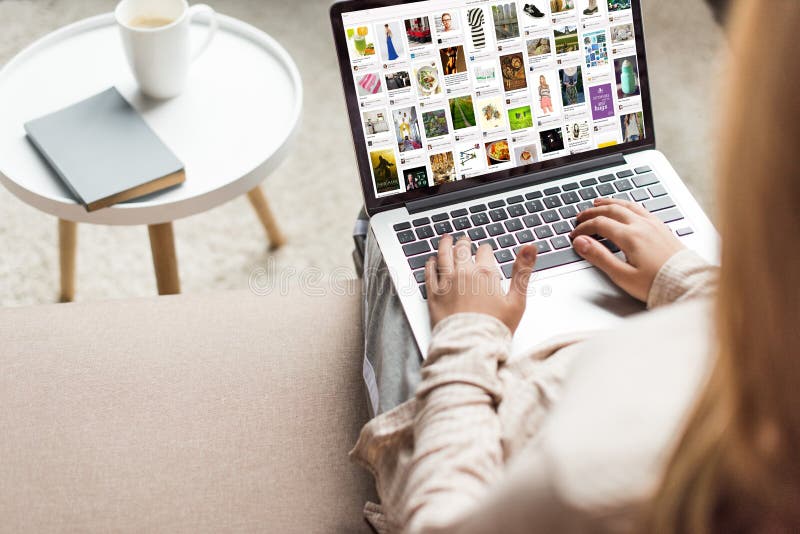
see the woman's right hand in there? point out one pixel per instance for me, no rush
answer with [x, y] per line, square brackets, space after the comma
[646, 241]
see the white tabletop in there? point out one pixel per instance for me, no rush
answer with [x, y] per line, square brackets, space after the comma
[230, 127]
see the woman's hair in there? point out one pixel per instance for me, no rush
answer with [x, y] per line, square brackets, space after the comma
[737, 466]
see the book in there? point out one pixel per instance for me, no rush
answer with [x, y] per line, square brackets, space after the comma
[104, 151]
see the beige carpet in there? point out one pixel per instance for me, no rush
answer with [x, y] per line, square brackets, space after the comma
[315, 193]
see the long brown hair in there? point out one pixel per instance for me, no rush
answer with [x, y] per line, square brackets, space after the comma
[737, 466]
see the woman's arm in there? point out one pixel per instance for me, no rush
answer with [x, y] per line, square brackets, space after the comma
[457, 465]
[457, 450]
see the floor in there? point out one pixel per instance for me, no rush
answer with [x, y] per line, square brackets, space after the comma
[315, 192]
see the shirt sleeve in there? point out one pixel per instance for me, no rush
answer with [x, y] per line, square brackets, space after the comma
[458, 477]
[684, 276]
[454, 462]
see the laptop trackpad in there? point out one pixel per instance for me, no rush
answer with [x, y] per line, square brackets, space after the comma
[578, 301]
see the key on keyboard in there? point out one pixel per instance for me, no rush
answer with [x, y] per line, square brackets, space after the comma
[406, 236]
[424, 232]
[412, 249]
[495, 229]
[513, 225]
[462, 223]
[476, 234]
[660, 203]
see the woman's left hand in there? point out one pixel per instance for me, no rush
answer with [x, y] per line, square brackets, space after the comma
[456, 284]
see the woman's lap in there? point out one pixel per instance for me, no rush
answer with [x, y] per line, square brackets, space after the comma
[391, 358]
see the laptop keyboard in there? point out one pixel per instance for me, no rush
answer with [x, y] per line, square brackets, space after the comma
[543, 218]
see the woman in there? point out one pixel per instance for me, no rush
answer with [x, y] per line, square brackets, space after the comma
[569, 80]
[545, 102]
[685, 420]
[390, 51]
[631, 128]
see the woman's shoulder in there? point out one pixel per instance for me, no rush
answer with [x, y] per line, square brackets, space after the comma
[623, 406]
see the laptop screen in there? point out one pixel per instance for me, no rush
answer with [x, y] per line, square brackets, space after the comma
[447, 93]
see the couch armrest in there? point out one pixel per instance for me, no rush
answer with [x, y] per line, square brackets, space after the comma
[219, 412]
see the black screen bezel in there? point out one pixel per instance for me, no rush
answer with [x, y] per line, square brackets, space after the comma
[376, 204]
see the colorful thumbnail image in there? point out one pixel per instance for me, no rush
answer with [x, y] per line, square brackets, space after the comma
[375, 122]
[453, 60]
[415, 178]
[462, 112]
[520, 118]
[632, 127]
[601, 101]
[535, 9]
[560, 6]
[361, 41]
[446, 22]
[596, 48]
[390, 40]
[506, 25]
[384, 170]
[547, 89]
[428, 82]
[476, 19]
[571, 86]
[398, 80]
[552, 140]
[622, 33]
[406, 129]
[490, 112]
[578, 131]
[470, 157]
[435, 123]
[497, 152]
[538, 47]
[525, 154]
[418, 31]
[618, 5]
[512, 67]
[443, 168]
[369, 84]
[626, 71]
[566, 39]
[588, 7]
[484, 74]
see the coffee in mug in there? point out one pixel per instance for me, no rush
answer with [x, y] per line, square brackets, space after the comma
[155, 35]
[150, 22]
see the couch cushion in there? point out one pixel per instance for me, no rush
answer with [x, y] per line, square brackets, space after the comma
[220, 412]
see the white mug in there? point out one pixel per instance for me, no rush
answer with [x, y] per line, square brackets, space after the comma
[155, 34]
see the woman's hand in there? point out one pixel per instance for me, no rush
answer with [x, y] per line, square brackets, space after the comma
[456, 284]
[646, 241]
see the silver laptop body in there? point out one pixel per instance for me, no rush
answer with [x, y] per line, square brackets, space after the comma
[560, 114]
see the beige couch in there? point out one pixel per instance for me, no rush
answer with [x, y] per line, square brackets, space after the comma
[211, 413]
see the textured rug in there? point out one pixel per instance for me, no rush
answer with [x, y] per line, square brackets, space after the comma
[315, 193]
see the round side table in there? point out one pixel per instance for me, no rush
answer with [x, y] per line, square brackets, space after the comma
[231, 127]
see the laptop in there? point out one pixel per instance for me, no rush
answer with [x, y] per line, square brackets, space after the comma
[502, 121]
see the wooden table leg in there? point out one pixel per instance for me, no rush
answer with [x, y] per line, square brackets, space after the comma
[260, 204]
[162, 244]
[67, 248]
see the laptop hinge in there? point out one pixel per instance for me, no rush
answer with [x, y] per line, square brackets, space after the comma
[484, 190]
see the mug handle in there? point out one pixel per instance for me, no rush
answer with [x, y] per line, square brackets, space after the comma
[213, 24]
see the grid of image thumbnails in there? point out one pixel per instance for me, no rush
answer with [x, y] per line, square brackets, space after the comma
[449, 91]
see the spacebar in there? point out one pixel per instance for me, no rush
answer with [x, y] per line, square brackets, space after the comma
[554, 259]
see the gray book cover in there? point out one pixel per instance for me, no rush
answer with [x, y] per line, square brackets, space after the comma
[104, 151]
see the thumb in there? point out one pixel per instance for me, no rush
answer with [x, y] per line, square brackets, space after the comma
[602, 258]
[521, 274]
